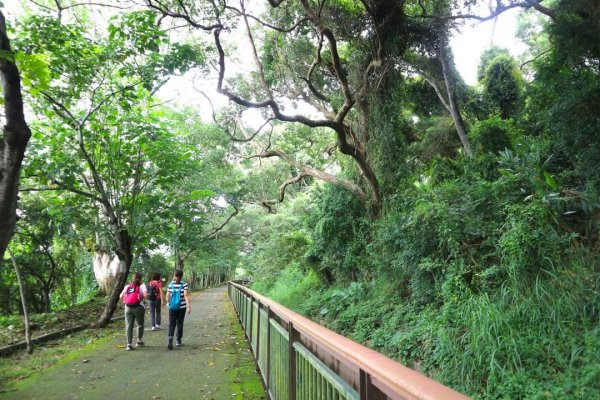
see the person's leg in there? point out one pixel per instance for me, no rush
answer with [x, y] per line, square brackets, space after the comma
[158, 305]
[180, 318]
[152, 313]
[139, 318]
[129, 317]
[172, 322]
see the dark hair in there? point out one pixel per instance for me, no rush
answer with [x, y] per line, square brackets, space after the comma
[179, 273]
[137, 275]
[156, 276]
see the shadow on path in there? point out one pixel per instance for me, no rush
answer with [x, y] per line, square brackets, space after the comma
[213, 363]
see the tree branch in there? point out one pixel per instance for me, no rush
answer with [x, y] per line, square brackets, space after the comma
[158, 6]
[494, 13]
[305, 170]
[220, 227]
[64, 188]
[266, 24]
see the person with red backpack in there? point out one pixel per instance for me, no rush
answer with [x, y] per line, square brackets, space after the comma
[133, 294]
[155, 299]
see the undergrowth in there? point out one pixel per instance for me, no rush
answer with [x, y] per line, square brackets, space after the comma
[538, 341]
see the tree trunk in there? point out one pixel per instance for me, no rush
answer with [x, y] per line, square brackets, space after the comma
[453, 106]
[125, 255]
[195, 279]
[367, 173]
[16, 135]
[46, 299]
[23, 302]
[179, 261]
[105, 270]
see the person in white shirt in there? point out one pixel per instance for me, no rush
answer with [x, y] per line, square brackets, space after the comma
[178, 299]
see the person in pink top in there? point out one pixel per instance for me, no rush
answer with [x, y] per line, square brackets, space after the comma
[133, 296]
[155, 300]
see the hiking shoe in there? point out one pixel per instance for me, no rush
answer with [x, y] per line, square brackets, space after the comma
[170, 345]
[128, 348]
[153, 328]
[178, 344]
[158, 328]
[139, 343]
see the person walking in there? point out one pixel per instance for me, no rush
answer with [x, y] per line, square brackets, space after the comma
[155, 300]
[178, 299]
[133, 294]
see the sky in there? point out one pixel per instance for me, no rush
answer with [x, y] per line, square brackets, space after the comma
[472, 40]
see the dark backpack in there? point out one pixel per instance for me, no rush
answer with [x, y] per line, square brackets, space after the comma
[175, 300]
[132, 295]
[152, 291]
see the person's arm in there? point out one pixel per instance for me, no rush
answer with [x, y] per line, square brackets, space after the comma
[163, 296]
[186, 296]
[168, 296]
[144, 291]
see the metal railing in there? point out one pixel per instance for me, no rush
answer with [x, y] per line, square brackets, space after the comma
[301, 360]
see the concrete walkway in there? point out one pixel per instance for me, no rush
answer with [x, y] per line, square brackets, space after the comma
[213, 363]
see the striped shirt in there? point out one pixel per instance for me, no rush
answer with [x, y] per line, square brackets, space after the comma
[181, 287]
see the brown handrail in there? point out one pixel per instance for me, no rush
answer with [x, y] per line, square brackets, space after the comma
[390, 377]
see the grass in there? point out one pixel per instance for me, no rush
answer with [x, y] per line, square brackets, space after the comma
[246, 383]
[12, 328]
[20, 365]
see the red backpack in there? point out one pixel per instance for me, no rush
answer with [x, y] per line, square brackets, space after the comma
[132, 295]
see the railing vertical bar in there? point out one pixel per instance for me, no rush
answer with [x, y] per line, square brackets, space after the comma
[300, 378]
[268, 355]
[294, 336]
[366, 388]
[313, 381]
[258, 332]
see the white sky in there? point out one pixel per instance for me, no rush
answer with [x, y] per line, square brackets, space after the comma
[475, 38]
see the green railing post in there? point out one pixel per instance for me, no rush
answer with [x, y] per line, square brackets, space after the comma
[251, 321]
[294, 336]
[365, 388]
[268, 360]
[258, 333]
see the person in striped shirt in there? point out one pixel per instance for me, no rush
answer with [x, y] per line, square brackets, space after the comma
[177, 289]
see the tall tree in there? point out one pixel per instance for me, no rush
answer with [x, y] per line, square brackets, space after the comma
[106, 142]
[15, 137]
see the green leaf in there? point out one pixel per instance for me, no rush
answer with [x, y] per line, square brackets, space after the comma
[550, 181]
[35, 71]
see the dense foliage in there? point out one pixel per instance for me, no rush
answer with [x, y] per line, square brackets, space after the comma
[482, 272]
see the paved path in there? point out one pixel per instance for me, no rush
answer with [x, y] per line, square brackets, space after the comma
[214, 363]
